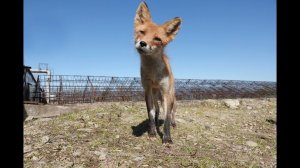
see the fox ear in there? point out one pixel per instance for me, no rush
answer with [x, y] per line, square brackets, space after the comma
[171, 27]
[142, 14]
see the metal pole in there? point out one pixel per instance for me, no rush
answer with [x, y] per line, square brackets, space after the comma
[48, 81]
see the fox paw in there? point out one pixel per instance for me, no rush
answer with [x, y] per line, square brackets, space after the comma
[152, 137]
[173, 125]
[167, 140]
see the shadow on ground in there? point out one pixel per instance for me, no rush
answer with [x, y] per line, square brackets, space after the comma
[143, 127]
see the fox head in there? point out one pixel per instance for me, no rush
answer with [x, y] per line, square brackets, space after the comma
[149, 37]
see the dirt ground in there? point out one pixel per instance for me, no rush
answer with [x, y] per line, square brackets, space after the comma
[209, 133]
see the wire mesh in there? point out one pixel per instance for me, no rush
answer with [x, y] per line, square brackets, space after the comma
[66, 89]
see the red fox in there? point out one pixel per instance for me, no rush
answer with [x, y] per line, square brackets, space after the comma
[156, 74]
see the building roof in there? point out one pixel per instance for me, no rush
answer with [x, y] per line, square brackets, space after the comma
[26, 67]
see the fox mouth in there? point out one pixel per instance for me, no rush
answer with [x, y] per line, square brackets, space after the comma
[144, 51]
[141, 50]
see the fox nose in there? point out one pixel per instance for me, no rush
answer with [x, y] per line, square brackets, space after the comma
[143, 44]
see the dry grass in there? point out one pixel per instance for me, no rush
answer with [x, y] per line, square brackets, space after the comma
[208, 134]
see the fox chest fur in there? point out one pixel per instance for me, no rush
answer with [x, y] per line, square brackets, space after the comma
[154, 72]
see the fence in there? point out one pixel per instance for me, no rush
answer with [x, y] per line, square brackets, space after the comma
[65, 89]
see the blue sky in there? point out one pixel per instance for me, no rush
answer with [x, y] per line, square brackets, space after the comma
[232, 39]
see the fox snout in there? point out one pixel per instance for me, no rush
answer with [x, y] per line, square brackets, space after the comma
[143, 44]
[144, 48]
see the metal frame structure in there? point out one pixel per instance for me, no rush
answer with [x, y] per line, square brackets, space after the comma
[67, 89]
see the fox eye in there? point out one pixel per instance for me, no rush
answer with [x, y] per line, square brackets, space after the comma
[142, 32]
[157, 39]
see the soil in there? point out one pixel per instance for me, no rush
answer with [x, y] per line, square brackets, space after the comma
[209, 133]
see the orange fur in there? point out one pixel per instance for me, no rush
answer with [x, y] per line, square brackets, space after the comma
[156, 73]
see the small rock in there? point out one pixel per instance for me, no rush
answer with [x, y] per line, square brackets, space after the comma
[207, 127]
[251, 143]
[232, 103]
[34, 158]
[189, 137]
[45, 139]
[139, 158]
[77, 153]
[117, 136]
[137, 147]
[249, 107]
[98, 153]
[102, 156]
[27, 148]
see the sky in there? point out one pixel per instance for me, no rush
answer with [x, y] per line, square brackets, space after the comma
[227, 40]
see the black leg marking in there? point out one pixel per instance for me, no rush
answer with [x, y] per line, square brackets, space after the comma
[167, 134]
